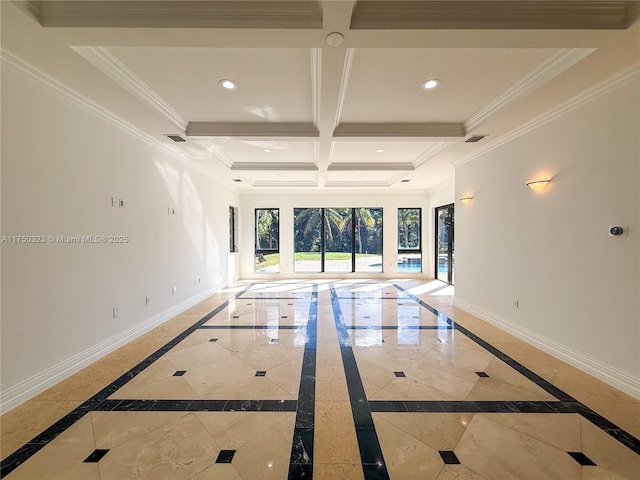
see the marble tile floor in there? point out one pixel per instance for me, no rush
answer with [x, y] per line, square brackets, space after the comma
[343, 379]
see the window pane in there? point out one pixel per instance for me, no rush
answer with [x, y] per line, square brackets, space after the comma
[409, 240]
[267, 240]
[368, 239]
[337, 240]
[307, 239]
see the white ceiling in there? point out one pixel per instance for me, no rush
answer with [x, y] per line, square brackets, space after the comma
[323, 110]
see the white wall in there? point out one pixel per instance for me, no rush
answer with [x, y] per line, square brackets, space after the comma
[577, 287]
[286, 202]
[61, 164]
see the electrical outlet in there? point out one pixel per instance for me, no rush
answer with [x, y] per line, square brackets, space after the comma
[516, 303]
[114, 202]
[121, 203]
[146, 300]
[115, 312]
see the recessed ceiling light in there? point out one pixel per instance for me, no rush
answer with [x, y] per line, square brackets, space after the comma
[431, 84]
[380, 150]
[267, 150]
[228, 84]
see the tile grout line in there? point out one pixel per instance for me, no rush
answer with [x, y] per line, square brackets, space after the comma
[566, 400]
[17, 458]
[373, 464]
[301, 460]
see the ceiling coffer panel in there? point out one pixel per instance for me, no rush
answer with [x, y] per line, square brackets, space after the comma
[503, 14]
[181, 14]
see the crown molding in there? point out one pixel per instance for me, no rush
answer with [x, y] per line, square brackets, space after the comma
[344, 84]
[316, 82]
[108, 64]
[397, 131]
[259, 130]
[23, 67]
[554, 65]
[316, 152]
[500, 14]
[369, 167]
[213, 150]
[283, 14]
[274, 166]
[429, 154]
[574, 102]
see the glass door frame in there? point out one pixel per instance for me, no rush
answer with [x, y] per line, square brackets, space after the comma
[450, 242]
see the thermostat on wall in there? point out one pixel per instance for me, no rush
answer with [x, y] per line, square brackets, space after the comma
[617, 230]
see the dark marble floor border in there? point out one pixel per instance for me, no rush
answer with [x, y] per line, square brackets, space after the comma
[135, 405]
[565, 399]
[274, 298]
[17, 458]
[373, 464]
[465, 406]
[396, 327]
[301, 460]
[250, 327]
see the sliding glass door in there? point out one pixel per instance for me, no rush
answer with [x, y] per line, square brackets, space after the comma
[445, 255]
[368, 240]
[308, 237]
[337, 239]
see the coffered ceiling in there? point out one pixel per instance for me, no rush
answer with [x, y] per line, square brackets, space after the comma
[309, 114]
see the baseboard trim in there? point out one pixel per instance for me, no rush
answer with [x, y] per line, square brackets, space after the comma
[29, 388]
[617, 379]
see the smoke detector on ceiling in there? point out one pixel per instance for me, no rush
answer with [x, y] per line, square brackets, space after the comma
[335, 39]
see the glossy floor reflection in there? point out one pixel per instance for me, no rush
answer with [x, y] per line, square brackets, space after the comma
[326, 380]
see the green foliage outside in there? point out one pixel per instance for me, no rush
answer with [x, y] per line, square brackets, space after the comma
[338, 228]
[274, 258]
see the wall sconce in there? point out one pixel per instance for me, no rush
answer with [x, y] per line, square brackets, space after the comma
[465, 200]
[538, 185]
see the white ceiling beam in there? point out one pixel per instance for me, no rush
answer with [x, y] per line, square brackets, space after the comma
[257, 131]
[274, 166]
[396, 131]
[370, 167]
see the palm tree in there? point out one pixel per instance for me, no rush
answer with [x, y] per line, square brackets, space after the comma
[310, 219]
[364, 221]
[408, 218]
[267, 229]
